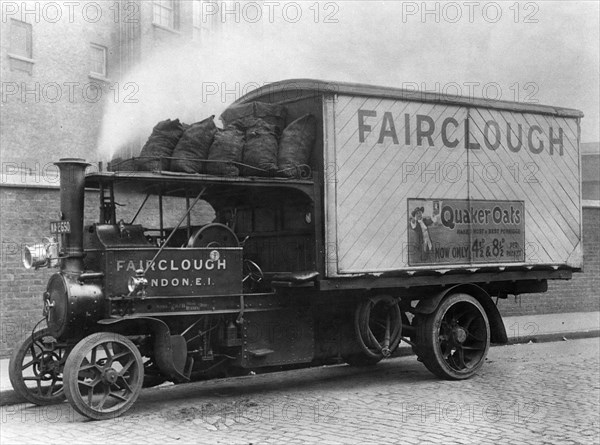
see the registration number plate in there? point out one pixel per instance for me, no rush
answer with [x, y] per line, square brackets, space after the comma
[60, 227]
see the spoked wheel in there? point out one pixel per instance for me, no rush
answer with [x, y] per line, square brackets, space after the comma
[378, 329]
[103, 375]
[36, 368]
[213, 235]
[453, 341]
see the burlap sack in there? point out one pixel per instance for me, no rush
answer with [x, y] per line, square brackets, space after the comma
[246, 115]
[260, 150]
[296, 145]
[237, 113]
[228, 145]
[193, 147]
[272, 114]
[159, 145]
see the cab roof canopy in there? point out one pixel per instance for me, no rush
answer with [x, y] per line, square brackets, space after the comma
[182, 184]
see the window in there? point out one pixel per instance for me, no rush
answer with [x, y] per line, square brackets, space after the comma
[202, 25]
[20, 39]
[98, 60]
[166, 13]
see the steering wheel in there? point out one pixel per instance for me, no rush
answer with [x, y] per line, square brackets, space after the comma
[213, 235]
[253, 276]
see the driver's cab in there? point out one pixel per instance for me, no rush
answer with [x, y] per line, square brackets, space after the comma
[271, 220]
[277, 229]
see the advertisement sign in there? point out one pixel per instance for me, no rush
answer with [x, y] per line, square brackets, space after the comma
[461, 231]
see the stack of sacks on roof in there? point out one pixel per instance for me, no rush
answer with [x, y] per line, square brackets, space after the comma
[254, 142]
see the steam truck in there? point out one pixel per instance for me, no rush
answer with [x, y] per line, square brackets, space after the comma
[411, 215]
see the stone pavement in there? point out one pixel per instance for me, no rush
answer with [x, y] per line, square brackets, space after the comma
[535, 393]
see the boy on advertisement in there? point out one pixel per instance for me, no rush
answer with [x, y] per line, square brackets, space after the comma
[419, 223]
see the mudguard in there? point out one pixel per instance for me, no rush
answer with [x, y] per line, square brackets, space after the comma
[169, 351]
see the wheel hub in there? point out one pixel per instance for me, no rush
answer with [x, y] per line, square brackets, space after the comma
[459, 334]
[110, 375]
[49, 363]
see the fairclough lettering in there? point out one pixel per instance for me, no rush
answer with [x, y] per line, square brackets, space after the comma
[172, 265]
[422, 130]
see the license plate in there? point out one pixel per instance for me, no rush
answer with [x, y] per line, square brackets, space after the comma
[60, 227]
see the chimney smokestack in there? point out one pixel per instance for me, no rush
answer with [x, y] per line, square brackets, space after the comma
[72, 188]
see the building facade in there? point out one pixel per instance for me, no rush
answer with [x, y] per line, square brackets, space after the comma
[61, 62]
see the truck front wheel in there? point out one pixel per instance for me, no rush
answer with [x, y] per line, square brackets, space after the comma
[103, 375]
[453, 341]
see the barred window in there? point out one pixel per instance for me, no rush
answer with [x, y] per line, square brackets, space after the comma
[21, 38]
[98, 60]
[166, 13]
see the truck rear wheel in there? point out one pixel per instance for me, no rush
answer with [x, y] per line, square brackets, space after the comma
[453, 341]
[103, 375]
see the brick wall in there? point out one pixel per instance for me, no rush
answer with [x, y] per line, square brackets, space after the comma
[24, 220]
[581, 294]
[590, 176]
[27, 211]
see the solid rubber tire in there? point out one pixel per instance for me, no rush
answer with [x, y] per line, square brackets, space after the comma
[427, 338]
[15, 372]
[71, 372]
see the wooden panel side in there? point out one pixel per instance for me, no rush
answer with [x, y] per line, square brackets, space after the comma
[393, 154]
[533, 158]
[383, 157]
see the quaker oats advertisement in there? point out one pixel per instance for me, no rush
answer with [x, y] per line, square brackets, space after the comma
[461, 231]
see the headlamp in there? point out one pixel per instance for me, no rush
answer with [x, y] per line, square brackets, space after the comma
[137, 283]
[44, 254]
